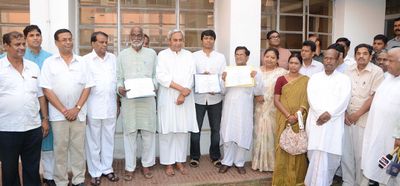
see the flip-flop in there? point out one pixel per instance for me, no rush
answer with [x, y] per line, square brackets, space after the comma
[128, 176]
[169, 171]
[147, 174]
[111, 177]
[95, 181]
[217, 163]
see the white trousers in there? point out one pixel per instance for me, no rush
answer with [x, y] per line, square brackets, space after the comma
[351, 155]
[69, 142]
[47, 164]
[233, 154]
[100, 145]
[148, 150]
[322, 168]
[173, 148]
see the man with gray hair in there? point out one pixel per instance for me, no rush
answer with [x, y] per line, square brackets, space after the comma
[139, 115]
[176, 108]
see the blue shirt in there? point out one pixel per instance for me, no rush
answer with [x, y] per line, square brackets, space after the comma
[39, 58]
[47, 143]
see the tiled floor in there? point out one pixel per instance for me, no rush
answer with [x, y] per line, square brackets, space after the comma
[205, 174]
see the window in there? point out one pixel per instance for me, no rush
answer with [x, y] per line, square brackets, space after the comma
[295, 20]
[156, 17]
[14, 16]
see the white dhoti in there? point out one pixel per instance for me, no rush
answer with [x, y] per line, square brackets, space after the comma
[322, 168]
[47, 164]
[100, 145]
[351, 155]
[173, 148]
[148, 150]
[233, 154]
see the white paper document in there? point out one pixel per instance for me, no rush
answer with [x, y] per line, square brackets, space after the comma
[206, 83]
[239, 76]
[139, 87]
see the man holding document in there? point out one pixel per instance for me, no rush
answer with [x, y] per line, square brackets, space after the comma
[209, 67]
[136, 82]
[176, 110]
[242, 85]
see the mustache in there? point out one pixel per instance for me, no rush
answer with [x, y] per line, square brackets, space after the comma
[397, 30]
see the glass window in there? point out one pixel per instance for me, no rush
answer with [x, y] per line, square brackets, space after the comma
[291, 23]
[291, 6]
[14, 16]
[154, 16]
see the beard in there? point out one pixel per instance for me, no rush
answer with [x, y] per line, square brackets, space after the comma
[137, 45]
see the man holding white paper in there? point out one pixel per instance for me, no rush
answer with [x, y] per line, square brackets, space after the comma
[138, 114]
[208, 62]
[176, 110]
[237, 115]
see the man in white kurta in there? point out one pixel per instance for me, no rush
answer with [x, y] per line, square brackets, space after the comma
[176, 109]
[237, 117]
[139, 114]
[102, 109]
[365, 78]
[66, 83]
[328, 95]
[381, 130]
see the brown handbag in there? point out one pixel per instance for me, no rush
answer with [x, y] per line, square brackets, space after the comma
[294, 143]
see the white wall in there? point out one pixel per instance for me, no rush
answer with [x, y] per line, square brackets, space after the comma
[358, 20]
[238, 24]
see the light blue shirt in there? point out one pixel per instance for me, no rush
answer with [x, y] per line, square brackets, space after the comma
[39, 58]
[3, 55]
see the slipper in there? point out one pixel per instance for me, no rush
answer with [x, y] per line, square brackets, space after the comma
[217, 163]
[194, 163]
[95, 181]
[111, 177]
[147, 173]
[128, 176]
[181, 168]
[169, 171]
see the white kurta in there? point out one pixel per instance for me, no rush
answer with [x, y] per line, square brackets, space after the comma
[180, 68]
[237, 113]
[332, 94]
[383, 117]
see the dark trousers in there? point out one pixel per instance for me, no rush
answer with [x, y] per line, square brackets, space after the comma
[27, 145]
[214, 113]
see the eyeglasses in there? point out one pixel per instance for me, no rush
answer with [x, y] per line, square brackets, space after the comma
[274, 37]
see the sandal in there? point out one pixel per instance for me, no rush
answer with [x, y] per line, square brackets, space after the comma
[128, 176]
[111, 177]
[217, 163]
[147, 173]
[194, 163]
[169, 171]
[95, 181]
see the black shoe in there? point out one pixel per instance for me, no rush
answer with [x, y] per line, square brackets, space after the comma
[80, 184]
[49, 182]
[373, 183]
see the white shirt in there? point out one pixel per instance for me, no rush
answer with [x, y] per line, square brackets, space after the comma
[101, 103]
[67, 82]
[179, 68]
[311, 69]
[348, 60]
[19, 104]
[214, 64]
[327, 93]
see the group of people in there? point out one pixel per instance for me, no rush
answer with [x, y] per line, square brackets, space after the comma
[62, 109]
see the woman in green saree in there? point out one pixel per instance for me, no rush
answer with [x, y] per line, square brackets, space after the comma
[290, 97]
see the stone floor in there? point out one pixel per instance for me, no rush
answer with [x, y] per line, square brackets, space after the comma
[205, 174]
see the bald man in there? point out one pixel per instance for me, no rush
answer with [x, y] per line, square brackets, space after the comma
[382, 131]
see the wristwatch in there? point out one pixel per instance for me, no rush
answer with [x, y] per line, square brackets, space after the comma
[78, 107]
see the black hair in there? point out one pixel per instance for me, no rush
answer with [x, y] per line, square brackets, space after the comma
[363, 45]
[93, 37]
[296, 55]
[11, 35]
[31, 28]
[311, 44]
[270, 33]
[208, 33]
[246, 51]
[337, 47]
[381, 37]
[345, 40]
[273, 50]
[60, 31]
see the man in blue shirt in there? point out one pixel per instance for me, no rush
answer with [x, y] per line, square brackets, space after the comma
[36, 54]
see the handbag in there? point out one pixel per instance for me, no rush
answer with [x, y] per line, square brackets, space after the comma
[393, 168]
[294, 143]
